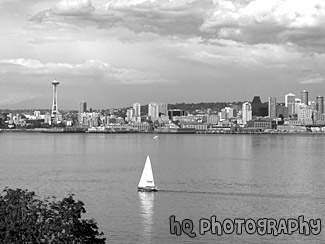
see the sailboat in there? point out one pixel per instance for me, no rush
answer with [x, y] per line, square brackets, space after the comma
[146, 181]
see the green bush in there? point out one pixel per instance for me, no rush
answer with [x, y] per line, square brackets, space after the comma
[25, 219]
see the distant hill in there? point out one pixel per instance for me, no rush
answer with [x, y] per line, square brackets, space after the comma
[192, 107]
[36, 104]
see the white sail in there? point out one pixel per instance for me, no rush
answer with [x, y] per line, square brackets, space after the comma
[147, 176]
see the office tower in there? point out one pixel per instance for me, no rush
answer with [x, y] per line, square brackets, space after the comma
[82, 107]
[55, 83]
[282, 111]
[320, 104]
[290, 103]
[137, 109]
[259, 108]
[272, 107]
[304, 97]
[247, 112]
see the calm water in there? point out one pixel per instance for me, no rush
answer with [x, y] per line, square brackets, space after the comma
[230, 176]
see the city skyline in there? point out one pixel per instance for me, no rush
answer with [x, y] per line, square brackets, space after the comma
[113, 53]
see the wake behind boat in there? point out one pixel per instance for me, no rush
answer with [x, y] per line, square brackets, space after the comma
[146, 181]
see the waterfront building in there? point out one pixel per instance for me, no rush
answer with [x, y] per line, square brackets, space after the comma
[213, 119]
[262, 124]
[89, 119]
[272, 107]
[290, 103]
[246, 112]
[320, 104]
[290, 128]
[304, 97]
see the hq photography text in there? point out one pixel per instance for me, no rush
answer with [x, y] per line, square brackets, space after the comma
[238, 226]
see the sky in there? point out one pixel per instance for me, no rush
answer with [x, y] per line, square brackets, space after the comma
[113, 53]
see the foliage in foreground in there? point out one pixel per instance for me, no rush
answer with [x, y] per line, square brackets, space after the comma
[25, 219]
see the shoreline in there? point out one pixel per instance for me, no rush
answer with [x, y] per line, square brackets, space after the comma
[84, 130]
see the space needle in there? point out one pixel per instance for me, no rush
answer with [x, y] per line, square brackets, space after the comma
[55, 111]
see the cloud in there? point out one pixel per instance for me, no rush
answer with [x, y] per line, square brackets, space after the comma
[262, 21]
[297, 23]
[91, 69]
[164, 17]
[312, 77]
[223, 52]
[73, 7]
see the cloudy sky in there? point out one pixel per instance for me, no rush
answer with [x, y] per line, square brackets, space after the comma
[115, 53]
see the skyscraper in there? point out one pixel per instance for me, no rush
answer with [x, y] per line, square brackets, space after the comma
[289, 100]
[304, 97]
[320, 104]
[55, 83]
[82, 107]
[247, 112]
[137, 109]
[272, 107]
[259, 108]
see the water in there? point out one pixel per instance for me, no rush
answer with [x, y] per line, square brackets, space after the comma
[230, 176]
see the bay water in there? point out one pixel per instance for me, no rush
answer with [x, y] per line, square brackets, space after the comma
[199, 176]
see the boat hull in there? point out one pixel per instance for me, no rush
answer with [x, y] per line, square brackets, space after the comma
[148, 189]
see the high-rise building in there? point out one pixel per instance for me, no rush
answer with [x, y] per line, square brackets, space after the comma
[82, 107]
[289, 100]
[259, 108]
[272, 107]
[153, 110]
[162, 108]
[246, 112]
[282, 111]
[230, 112]
[320, 104]
[129, 114]
[55, 110]
[304, 97]
[156, 109]
[305, 114]
[137, 109]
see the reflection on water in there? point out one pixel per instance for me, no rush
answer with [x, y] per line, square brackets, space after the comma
[146, 204]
